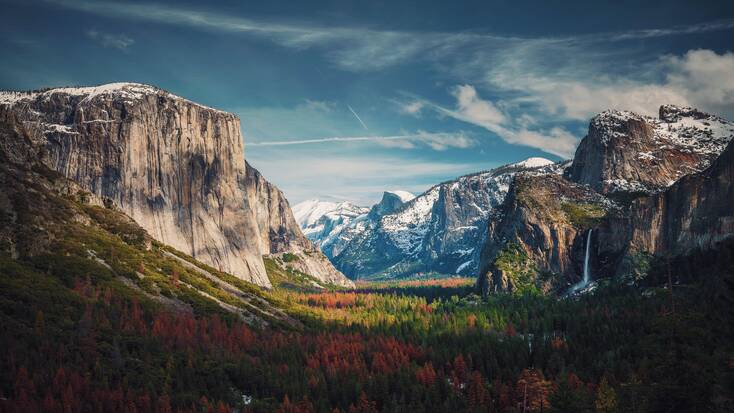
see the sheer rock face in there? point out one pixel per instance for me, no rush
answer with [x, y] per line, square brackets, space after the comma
[696, 212]
[175, 167]
[281, 234]
[540, 222]
[626, 152]
[648, 188]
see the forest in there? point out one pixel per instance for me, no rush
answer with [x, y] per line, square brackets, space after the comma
[85, 343]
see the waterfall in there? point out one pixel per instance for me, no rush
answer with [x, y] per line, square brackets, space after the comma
[587, 272]
[586, 259]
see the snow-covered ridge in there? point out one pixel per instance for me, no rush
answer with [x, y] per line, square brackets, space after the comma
[310, 212]
[534, 162]
[681, 126]
[323, 221]
[404, 196]
[438, 230]
[128, 91]
[681, 141]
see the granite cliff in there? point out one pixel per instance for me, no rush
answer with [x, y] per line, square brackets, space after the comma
[641, 188]
[175, 167]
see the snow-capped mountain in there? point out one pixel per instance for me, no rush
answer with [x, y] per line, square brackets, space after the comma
[640, 189]
[627, 152]
[437, 231]
[323, 221]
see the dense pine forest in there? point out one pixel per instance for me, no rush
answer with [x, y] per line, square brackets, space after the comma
[75, 340]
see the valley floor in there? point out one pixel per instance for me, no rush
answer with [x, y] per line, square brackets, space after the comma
[85, 344]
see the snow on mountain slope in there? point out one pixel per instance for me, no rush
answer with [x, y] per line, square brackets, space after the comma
[627, 152]
[534, 162]
[436, 231]
[127, 91]
[407, 227]
[404, 196]
[323, 221]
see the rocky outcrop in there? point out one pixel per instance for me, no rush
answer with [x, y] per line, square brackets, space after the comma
[626, 152]
[175, 167]
[390, 202]
[280, 233]
[647, 188]
[696, 212]
[537, 240]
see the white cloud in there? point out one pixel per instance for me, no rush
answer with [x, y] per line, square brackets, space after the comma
[704, 77]
[471, 108]
[578, 91]
[443, 141]
[117, 41]
[318, 105]
[411, 108]
[476, 110]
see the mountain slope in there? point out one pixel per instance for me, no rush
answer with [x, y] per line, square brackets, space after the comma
[437, 231]
[626, 152]
[65, 235]
[323, 222]
[172, 165]
[643, 189]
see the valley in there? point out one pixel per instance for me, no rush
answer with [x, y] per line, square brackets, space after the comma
[146, 266]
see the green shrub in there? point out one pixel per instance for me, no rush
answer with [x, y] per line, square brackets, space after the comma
[522, 272]
[583, 215]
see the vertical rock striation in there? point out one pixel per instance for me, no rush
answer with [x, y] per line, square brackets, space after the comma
[174, 166]
[627, 152]
[649, 187]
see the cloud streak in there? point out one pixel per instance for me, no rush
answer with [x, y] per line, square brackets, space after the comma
[358, 118]
[436, 141]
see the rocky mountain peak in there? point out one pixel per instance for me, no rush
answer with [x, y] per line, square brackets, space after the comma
[391, 201]
[673, 113]
[627, 152]
[638, 188]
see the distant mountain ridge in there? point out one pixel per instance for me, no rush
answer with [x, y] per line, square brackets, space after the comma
[435, 232]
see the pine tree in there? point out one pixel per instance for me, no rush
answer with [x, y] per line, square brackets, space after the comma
[606, 398]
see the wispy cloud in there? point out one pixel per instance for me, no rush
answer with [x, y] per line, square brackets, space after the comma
[529, 78]
[411, 108]
[358, 118]
[318, 105]
[436, 141]
[359, 49]
[471, 108]
[117, 41]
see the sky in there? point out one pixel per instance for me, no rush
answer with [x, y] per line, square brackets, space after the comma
[342, 100]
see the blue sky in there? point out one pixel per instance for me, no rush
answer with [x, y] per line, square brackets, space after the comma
[345, 99]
